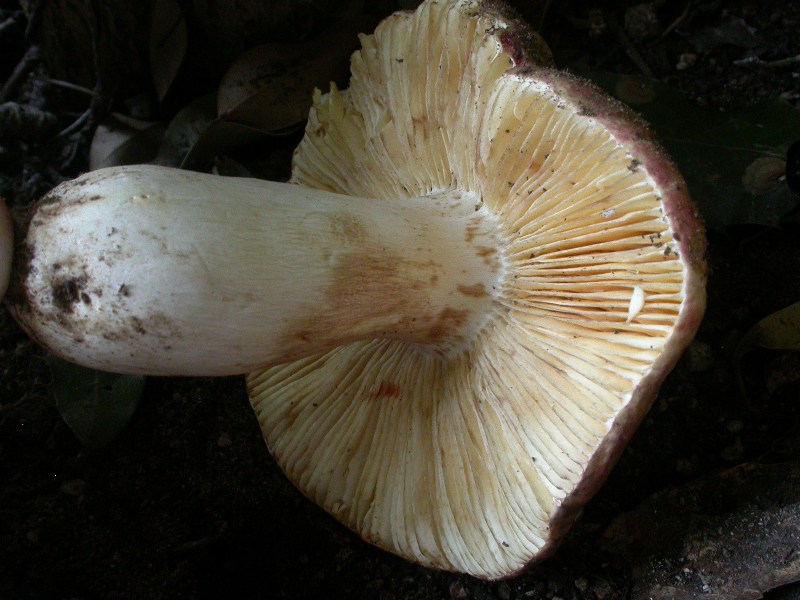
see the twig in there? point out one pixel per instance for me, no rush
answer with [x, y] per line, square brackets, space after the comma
[76, 124]
[10, 22]
[677, 22]
[771, 64]
[34, 19]
[24, 66]
[631, 50]
[70, 86]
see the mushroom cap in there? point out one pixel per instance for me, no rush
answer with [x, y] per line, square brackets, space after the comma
[479, 461]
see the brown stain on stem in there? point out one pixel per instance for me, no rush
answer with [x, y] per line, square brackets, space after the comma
[371, 295]
[448, 322]
[473, 291]
[377, 294]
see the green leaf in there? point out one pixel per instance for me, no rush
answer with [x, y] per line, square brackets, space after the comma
[96, 405]
[733, 161]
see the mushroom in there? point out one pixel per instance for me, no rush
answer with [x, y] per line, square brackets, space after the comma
[453, 317]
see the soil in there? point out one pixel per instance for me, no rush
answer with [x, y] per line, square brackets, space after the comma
[187, 503]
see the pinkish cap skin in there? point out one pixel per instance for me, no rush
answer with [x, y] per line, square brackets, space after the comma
[632, 133]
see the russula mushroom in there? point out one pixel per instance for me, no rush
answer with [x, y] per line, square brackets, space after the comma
[454, 315]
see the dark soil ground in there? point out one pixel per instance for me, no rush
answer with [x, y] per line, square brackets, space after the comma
[187, 504]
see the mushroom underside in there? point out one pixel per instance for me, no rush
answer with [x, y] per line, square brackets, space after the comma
[463, 462]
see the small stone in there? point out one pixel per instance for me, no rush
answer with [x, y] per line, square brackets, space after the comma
[734, 426]
[504, 591]
[602, 590]
[73, 487]
[641, 22]
[686, 61]
[687, 466]
[733, 451]
[457, 591]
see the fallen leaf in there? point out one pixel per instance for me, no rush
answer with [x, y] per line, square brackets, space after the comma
[185, 129]
[195, 136]
[778, 331]
[219, 137]
[95, 405]
[793, 167]
[270, 86]
[229, 167]
[122, 140]
[730, 32]
[168, 40]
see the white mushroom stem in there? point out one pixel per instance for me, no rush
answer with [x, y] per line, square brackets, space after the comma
[6, 247]
[153, 270]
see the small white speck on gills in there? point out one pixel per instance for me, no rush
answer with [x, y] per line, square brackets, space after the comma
[637, 303]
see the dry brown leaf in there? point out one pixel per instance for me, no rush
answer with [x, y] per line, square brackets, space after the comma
[257, 69]
[778, 331]
[270, 86]
[123, 140]
[218, 138]
[184, 130]
[194, 136]
[168, 39]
